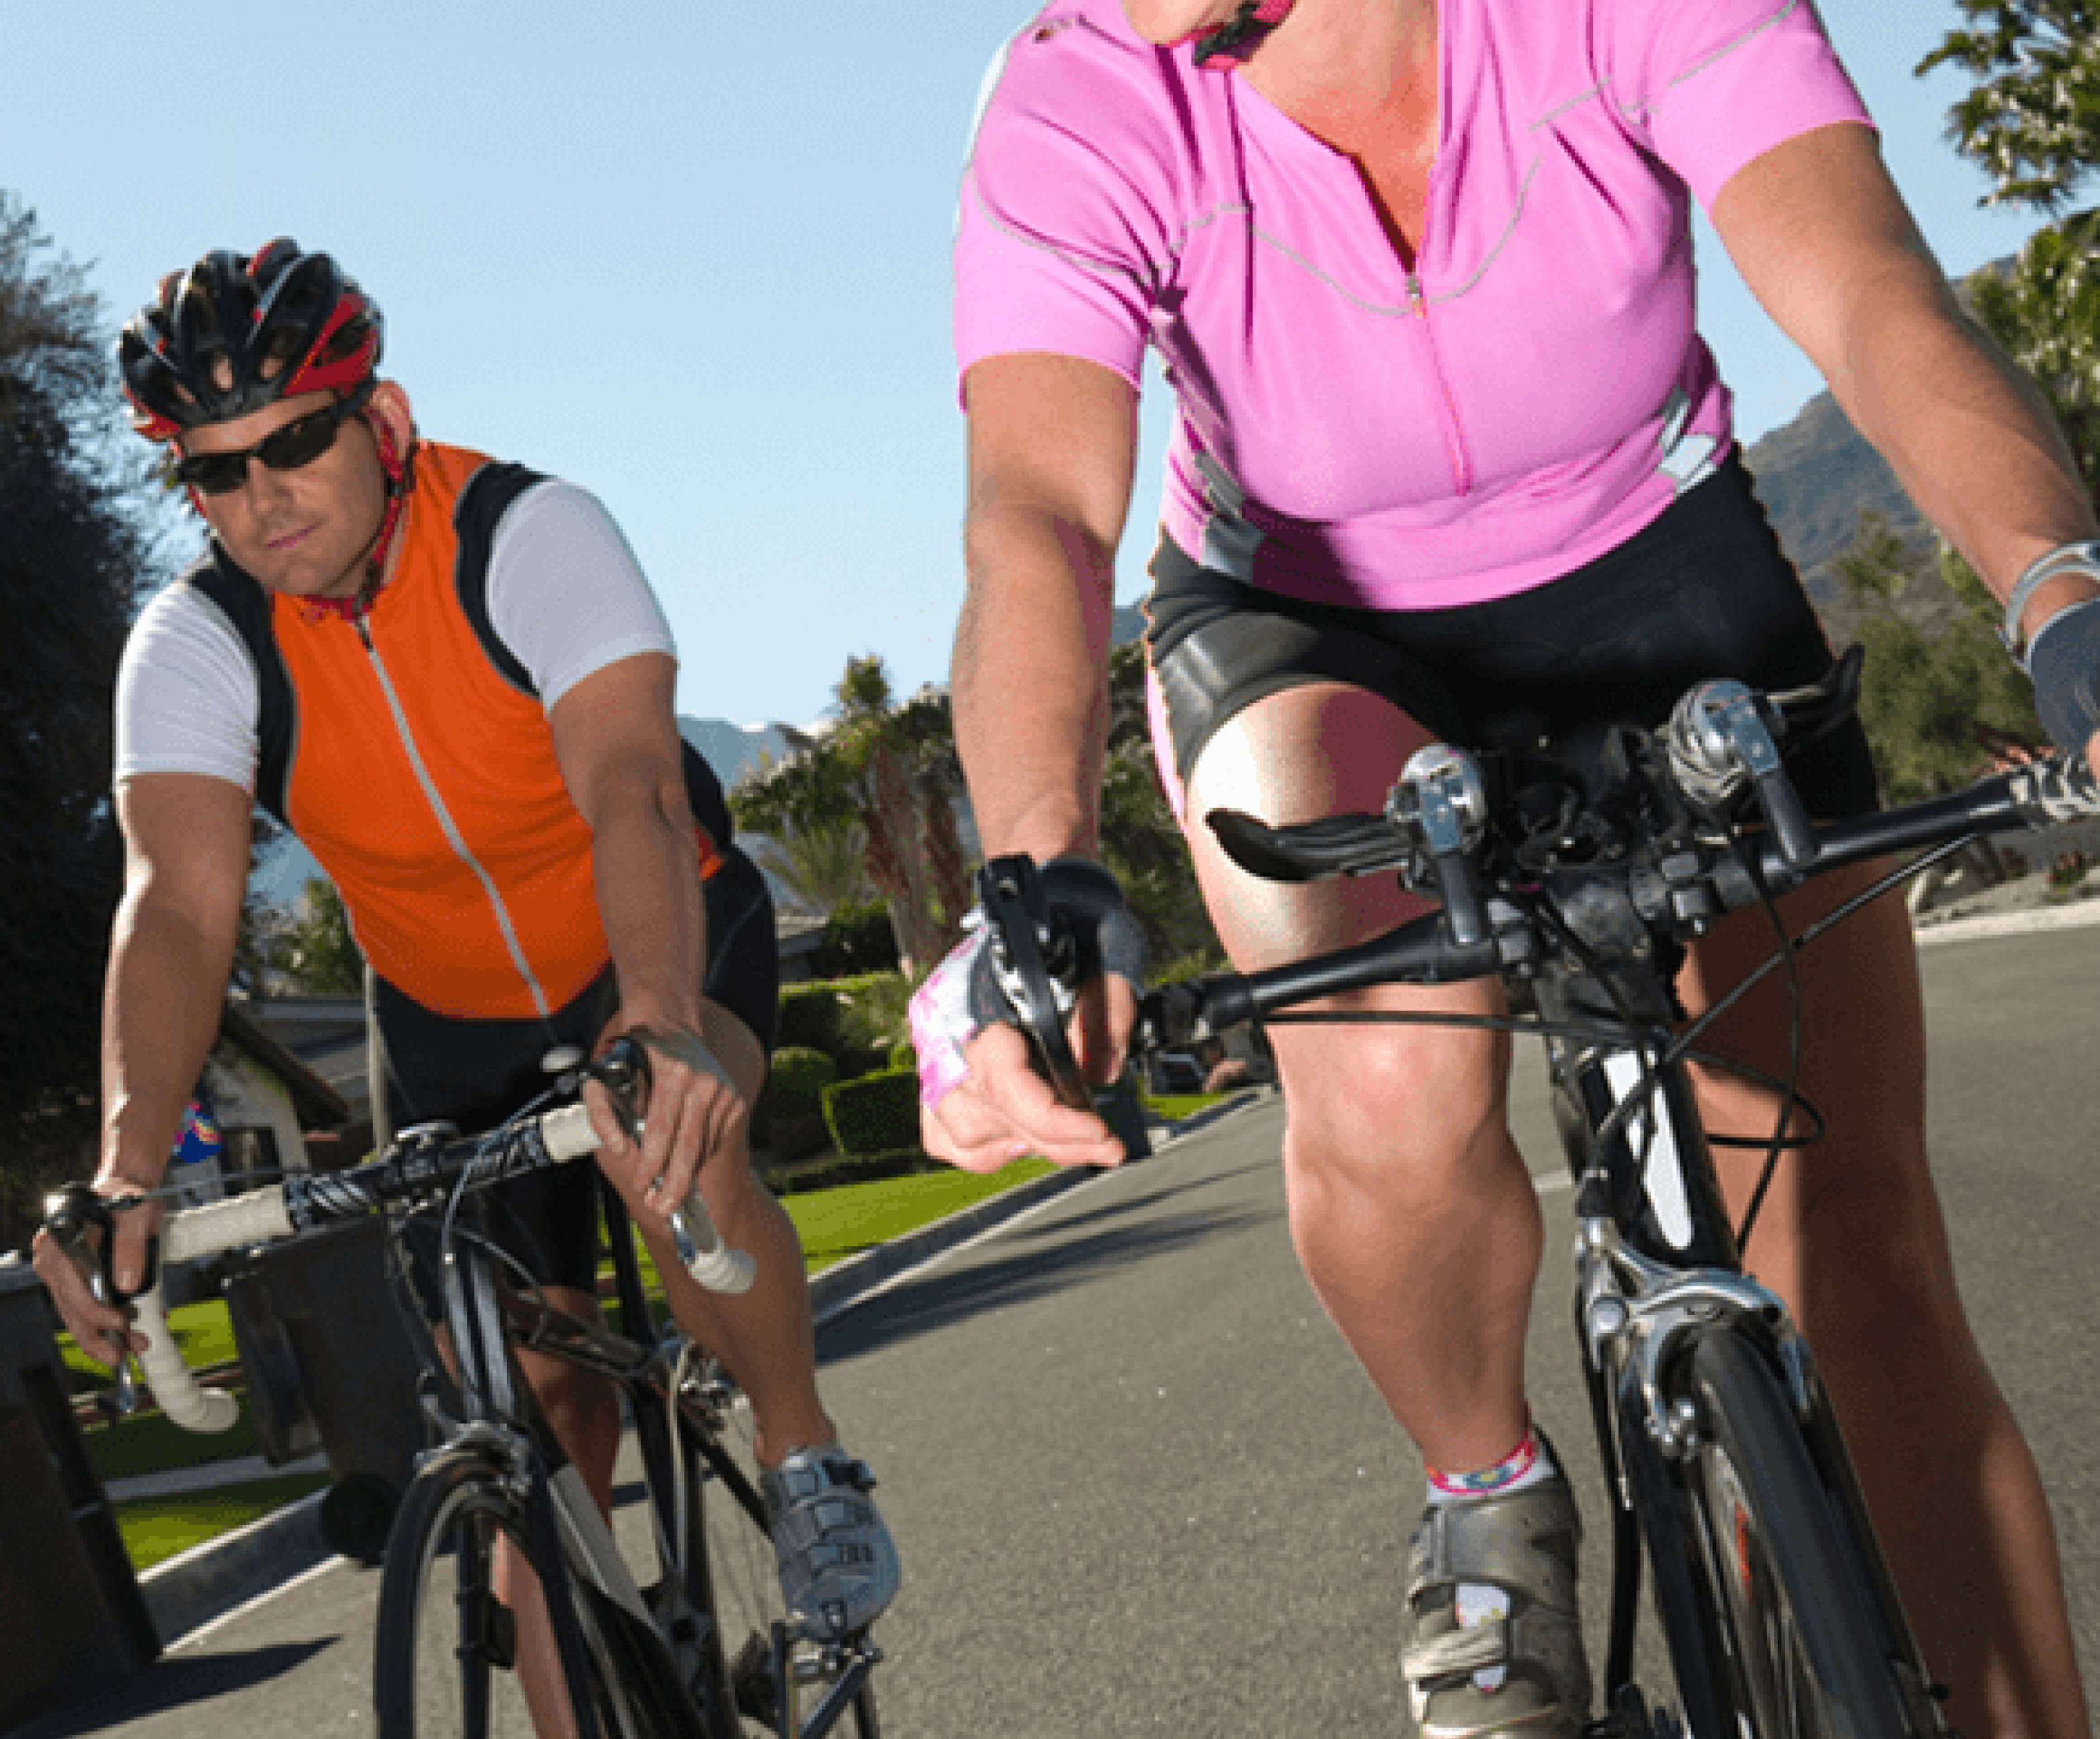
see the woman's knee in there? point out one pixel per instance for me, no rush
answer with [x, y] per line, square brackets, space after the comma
[1393, 1116]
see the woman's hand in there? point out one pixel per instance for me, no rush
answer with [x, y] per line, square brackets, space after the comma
[983, 1105]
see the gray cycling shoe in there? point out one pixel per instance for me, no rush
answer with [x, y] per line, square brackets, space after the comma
[838, 1566]
[1524, 1543]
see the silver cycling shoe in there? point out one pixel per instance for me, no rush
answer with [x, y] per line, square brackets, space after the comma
[1525, 1544]
[838, 1565]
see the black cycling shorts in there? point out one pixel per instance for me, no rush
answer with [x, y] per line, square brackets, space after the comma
[475, 1074]
[1703, 591]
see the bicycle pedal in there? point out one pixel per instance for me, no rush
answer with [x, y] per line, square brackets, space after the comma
[751, 1684]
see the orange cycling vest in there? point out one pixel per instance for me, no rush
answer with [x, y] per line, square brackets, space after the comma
[410, 752]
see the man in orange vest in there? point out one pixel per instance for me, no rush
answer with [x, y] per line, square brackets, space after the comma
[449, 678]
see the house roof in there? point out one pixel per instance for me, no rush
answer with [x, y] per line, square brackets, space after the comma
[316, 1101]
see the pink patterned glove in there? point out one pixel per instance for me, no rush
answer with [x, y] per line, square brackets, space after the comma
[941, 1023]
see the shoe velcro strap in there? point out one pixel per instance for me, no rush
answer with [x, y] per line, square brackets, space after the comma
[1470, 1650]
[1503, 1543]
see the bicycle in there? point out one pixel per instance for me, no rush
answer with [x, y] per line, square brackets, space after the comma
[1577, 880]
[696, 1653]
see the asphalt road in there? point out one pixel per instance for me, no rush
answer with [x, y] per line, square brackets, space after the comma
[1140, 1487]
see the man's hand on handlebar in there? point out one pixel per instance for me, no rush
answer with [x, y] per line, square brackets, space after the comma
[100, 1325]
[1004, 1052]
[688, 1108]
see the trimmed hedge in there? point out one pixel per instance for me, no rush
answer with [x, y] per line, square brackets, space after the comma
[810, 1017]
[798, 1077]
[875, 1113]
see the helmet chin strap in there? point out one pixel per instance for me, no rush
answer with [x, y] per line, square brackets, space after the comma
[399, 466]
[1234, 41]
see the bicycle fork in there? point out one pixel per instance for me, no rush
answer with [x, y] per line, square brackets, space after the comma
[1644, 1180]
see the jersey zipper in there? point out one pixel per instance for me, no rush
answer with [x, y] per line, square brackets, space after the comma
[1454, 444]
[452, 833]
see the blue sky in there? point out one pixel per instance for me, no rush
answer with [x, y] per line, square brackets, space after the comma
[692, 256]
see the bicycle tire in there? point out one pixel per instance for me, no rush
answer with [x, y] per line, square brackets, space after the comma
[734, 1572]
[1804, 1646]
[454, 1512]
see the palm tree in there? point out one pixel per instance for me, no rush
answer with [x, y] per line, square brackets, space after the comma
[821, 862]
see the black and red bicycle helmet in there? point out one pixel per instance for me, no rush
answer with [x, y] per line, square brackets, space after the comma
[237, 332]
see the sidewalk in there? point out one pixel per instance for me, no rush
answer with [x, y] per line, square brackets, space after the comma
[211, 1581]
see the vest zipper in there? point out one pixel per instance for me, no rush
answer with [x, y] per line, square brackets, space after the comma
[452, 833]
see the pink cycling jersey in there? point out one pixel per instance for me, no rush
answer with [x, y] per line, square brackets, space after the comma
[1527, 397]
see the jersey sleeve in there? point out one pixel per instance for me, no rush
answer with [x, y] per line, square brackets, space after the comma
[566, 594]
[187, 697]
[1714, 84]
[1061, 232]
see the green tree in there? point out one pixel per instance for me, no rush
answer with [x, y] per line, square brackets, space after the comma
[316, 950]
[2032, 124]
[892, 767]
[822, 861]
[1937, 705]
[76, 546]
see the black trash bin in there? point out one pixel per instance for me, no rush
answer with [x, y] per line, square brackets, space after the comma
[74, 1618]
[330, 1366]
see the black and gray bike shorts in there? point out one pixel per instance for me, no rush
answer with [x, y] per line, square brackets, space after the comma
[475, 1074]
[1703, 591]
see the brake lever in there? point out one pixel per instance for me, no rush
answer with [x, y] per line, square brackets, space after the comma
[1718, 737]
[623, 1071]
[69, 1214]
[1017, 932]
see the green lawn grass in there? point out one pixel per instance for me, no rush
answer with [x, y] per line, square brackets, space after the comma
[156, 1529]
[836, 1223]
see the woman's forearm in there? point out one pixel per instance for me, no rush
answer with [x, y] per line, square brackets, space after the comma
[1969, 435]
[1031, 680]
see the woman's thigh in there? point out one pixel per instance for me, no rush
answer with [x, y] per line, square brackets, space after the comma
[1312, 750]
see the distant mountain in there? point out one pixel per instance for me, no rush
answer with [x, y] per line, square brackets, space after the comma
[1816, 476]
[732, 750]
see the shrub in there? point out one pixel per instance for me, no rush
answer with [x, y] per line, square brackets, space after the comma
[810, 1017]
[797, 1080]
[904, 1055]
[875, 1113]
[789, 1117]
[858, 938]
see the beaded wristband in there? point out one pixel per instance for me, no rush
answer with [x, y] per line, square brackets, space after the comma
[2065, 558]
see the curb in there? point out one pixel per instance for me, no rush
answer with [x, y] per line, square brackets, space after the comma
[210, 1581]
[196, 1588]
[2072, 914]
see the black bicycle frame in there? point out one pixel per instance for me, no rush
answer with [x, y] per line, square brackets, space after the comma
[1648, 1198]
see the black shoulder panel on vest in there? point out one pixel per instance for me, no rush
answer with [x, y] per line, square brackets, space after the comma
[704, 793]
[480, 508]
[240, 595]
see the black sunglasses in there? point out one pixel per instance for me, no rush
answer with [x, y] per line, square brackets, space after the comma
[296, 444]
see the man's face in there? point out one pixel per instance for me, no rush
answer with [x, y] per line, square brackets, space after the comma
[304, 532]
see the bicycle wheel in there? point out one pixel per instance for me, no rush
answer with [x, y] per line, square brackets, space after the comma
[447, 1647]
[732, 1571]
[1804, 1646]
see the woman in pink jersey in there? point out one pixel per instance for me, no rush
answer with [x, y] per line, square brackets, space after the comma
[1451, 461]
